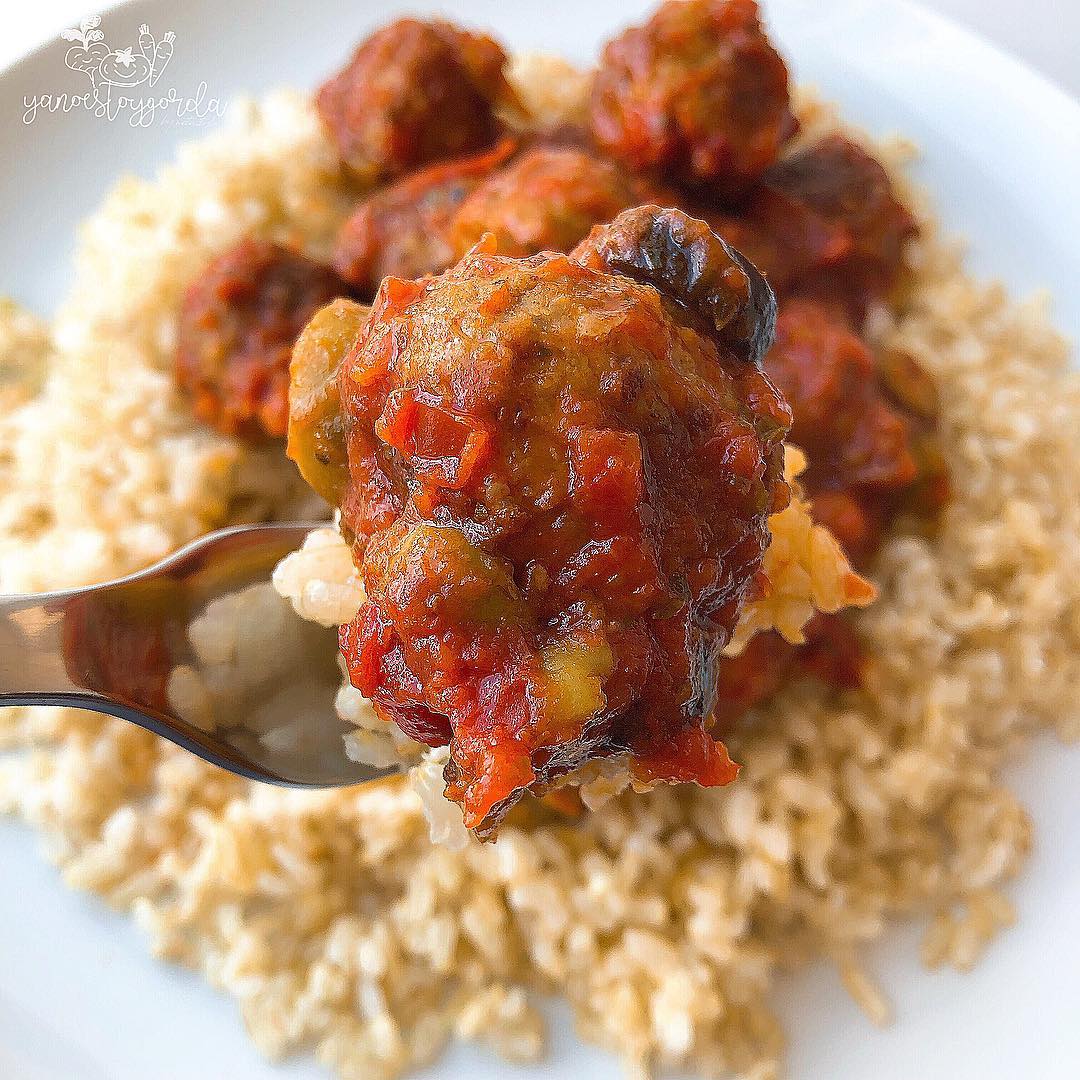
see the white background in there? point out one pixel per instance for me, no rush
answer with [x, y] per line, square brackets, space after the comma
[1045, 33]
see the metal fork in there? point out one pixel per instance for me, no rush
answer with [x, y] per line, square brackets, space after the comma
[117, 648]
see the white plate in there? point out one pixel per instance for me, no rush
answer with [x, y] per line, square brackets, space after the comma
[80, 1000]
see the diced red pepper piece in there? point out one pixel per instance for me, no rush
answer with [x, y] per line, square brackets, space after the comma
[608, 471]
[443, 447]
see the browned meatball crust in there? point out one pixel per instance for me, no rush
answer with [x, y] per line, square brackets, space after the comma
[825, 223]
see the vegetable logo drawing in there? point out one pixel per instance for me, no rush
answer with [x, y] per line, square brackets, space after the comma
[119, 67]
[114, 73]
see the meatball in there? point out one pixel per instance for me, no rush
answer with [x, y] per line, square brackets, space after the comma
[546, 200]
[560, 475]
[859, 442]
[698, 93]
[403, 230]
[415, 92]
[868, 427]
[825, 223]
[238, 322]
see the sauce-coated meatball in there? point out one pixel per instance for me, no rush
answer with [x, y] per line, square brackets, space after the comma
[859, 443]
[825, 223]
[697, 92]
[832, 654]
[238, 322]
[867, 425]
[404, 230]
[415, 92]
[545, 200]
[560, 475]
